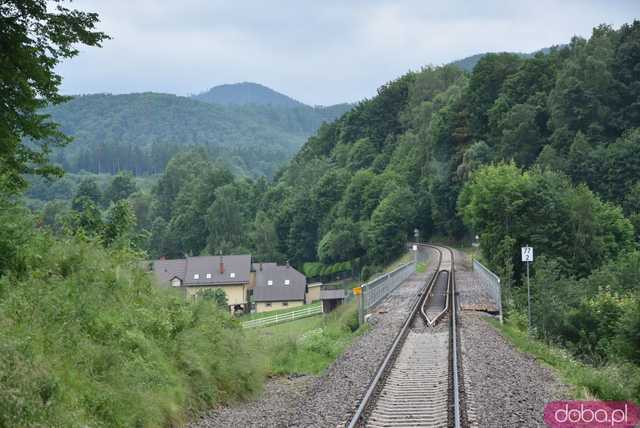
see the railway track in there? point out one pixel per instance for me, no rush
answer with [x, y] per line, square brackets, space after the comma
[417, 384]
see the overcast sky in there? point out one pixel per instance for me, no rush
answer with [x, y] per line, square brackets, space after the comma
[319, 52]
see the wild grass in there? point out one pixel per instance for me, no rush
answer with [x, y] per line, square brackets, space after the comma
[86, 339]
[309, 345]
[612, 382]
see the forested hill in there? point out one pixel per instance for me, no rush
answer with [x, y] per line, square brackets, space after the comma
[468, 63]
[246, 93]
[141, 132]
[567, 119]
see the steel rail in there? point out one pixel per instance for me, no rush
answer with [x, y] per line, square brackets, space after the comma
[382, 368]
[376, 385]
[454, 337]
[431, 322]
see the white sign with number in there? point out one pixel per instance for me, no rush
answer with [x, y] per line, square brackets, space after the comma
[527, 254]
[415, 247]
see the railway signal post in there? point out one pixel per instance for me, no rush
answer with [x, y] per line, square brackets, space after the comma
[527, 257]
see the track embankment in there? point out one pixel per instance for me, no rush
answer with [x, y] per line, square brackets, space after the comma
[327, 400]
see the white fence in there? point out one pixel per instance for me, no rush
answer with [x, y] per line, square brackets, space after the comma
[377, 289]
[286, 317]
[491, 281]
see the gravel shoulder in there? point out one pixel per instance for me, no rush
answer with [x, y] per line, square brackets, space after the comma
[504, 386]
[327, 400]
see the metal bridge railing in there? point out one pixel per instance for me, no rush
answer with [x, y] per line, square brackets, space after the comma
[491, 282]
[379, 288]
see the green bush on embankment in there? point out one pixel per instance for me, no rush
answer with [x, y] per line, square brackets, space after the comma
[87, 340]
[613, 381]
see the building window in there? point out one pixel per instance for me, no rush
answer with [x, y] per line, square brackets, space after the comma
[287, 282]
[232, 275]
[268, 305]
[196, 276]
[208, 276]
[285, 303]
[175, 282]
[269, 282]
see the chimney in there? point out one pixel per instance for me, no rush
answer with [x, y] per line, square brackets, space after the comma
[221, 264]
[260, 266]
[287, 264]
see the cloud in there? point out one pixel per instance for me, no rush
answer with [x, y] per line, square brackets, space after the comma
[319, 52]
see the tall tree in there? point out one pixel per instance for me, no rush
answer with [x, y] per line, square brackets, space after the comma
[121, 187]
[33, 41]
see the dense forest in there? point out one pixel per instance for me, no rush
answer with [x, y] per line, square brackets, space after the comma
[141, 132]
[469, 63]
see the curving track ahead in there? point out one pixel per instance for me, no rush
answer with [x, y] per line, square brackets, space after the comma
[417, 385]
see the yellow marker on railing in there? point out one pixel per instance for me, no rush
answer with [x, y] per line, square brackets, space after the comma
[357, 291]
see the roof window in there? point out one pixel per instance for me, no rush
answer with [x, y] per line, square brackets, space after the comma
[196, 276]
[287, 282]
[208, 276]
[269, 282]
[232, 275]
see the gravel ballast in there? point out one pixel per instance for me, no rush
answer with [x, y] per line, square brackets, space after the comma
[504, 386]
[330, 399]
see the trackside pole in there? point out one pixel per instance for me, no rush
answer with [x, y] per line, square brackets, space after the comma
[357, 291]
[527, 257]
[528, 298]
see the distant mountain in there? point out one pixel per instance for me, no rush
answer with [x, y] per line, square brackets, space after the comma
[246, 93]
[141, 132]
[470, 62]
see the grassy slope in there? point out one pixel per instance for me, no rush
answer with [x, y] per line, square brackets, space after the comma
[86, 339]
[614, 382]
[306, 346]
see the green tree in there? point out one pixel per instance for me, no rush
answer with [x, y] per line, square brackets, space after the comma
[485, 85]
[217, 296]
[623, 165]
[265, 238]
[121, 187]
[580, 232]
[550, 158]
[521, 138]
[626, 66]
[584, 90]
[87, 217]
[120, 224]
[228, 219]
[88, 189]
[631, 207]
[53, 215]
[302, 236]
[390, 224]
[34, 40]
[341, 243]
[159, 245]
[362, 154]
